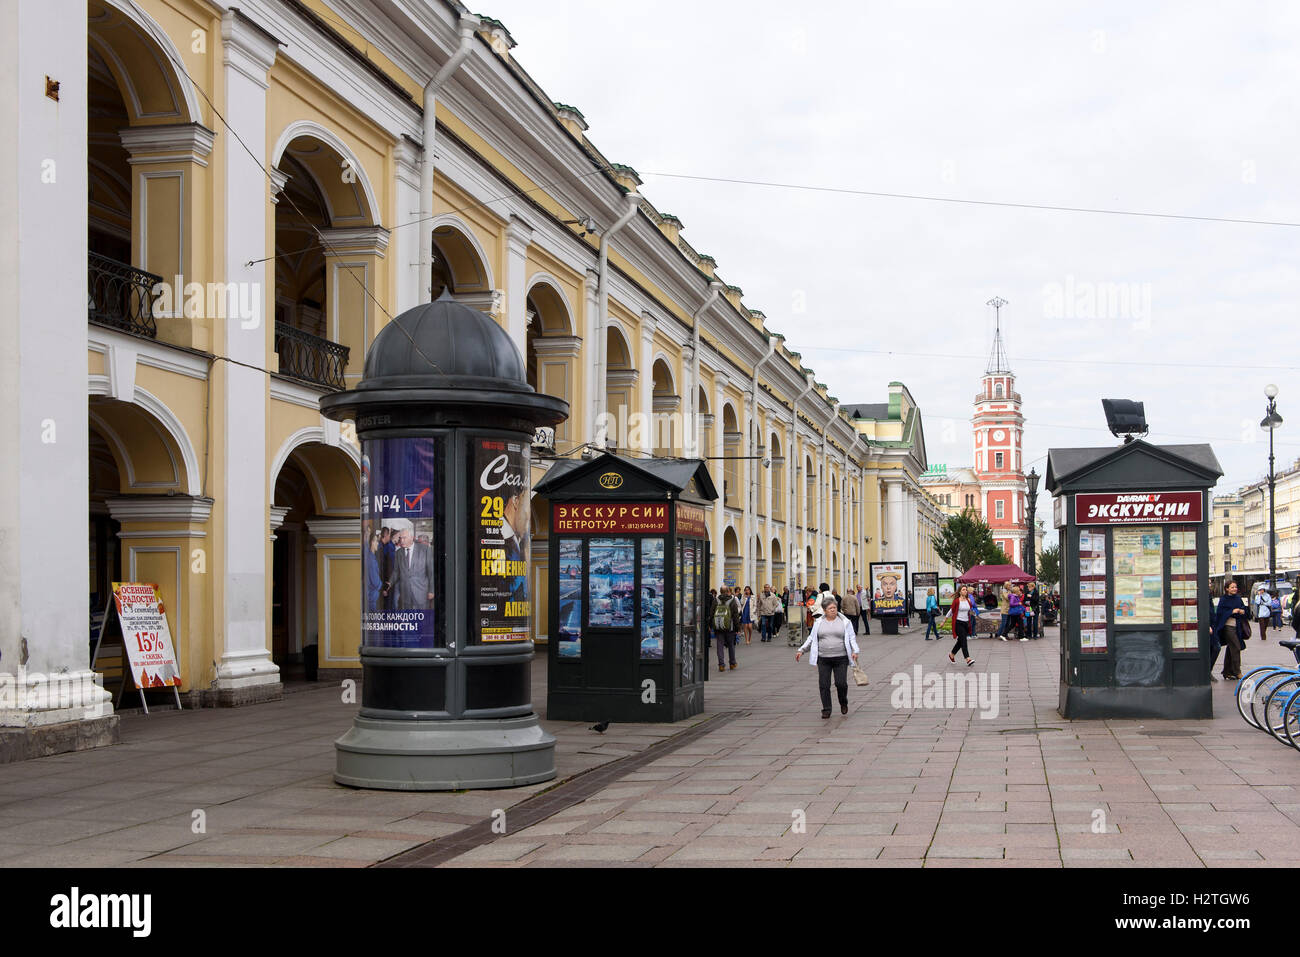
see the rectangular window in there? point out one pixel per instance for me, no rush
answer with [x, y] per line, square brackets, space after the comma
[999, 508]
[569, 639]
[652, 598]
[1226, 531]
[997, 460]
[609, 582]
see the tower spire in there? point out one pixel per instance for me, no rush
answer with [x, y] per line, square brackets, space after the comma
[998, 357]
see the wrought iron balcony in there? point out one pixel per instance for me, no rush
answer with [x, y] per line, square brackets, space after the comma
[121, 296]
[310, 358]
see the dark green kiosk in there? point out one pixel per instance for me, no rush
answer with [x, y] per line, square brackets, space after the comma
[1135, 634]
[446, 419]
[629, 558]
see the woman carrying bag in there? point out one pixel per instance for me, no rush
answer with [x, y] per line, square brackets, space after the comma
[963, 612]
[833, 643]
[1230, 630]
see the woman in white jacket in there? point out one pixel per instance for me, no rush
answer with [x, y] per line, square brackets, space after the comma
[833, 643]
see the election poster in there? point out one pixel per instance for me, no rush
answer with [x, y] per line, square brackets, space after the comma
[399, 531]
[502, 533]
[145, 635]
[889, 589]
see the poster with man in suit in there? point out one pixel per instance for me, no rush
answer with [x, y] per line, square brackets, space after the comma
[399, 499]
[501, 527]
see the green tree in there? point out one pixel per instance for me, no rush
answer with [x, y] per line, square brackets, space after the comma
[965, 541]
[1049, 566]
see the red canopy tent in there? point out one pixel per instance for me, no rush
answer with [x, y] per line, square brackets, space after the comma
[996, 575]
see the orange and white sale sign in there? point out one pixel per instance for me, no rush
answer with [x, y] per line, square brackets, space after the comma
[146, 636]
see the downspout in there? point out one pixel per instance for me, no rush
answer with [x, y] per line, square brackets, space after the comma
[602, 306]
[715, 290]
[792, 458]
[751, 513]
[469, 25]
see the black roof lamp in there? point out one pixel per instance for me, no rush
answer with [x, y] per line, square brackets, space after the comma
[1125, 417]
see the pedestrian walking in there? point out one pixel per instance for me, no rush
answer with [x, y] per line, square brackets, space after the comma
[1275, 605]
[710, 604]
[963, 612]
[769, 604]
[852, 608]
[931, 611]
[1295, 607]
[726, 618]
[833, 643]
[748, 612]
[1230, 630]
[1263, 612]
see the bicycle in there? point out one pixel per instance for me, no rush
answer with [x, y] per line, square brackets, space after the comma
[1258, 685]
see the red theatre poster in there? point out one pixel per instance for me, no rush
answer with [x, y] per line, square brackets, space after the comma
[146, 636]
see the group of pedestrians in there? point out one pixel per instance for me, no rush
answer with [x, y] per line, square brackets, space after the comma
[733, 612]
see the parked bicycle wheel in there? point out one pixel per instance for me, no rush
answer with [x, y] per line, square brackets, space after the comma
[1275, 706]
[1292, 722]
[1248, 687]
[1263, 688]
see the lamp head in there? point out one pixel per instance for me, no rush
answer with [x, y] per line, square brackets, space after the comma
[1270, 391]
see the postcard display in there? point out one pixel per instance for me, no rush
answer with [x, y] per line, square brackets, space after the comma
[628, 582]
[1134, 630]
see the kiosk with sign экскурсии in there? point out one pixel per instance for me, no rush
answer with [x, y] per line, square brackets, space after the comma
[1133, 521]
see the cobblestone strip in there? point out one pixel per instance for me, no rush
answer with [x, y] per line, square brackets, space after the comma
[548, 803]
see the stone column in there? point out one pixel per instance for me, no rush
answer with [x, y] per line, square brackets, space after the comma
[585, 426]
[351, 267]
[44, 530]
[745, 472]
[557, 374]
[518, 236]
[338, 590]
[245, 671]
[406, 241]
[169, 184]
[165, 541]
[719, 449]
[645, 400]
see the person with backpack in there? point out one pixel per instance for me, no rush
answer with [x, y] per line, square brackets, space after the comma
[1263, 612]
[1016, 613]
[851, 608]
[726, 618]
[931, 610]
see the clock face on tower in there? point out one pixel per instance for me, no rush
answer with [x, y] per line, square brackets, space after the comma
[999, 435]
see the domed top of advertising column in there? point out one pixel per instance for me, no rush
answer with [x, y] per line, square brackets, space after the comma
[451, 361]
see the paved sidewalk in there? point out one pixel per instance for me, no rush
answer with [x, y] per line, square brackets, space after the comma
[882, 786]
[262, 776]
[919, 787]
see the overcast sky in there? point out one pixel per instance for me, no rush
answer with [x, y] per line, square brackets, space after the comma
[1187, 108]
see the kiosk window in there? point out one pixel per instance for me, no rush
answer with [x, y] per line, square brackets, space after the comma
[569, 638]
[611, 575]
[652, 598]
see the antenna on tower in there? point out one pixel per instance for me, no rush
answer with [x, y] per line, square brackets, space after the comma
[998, 357]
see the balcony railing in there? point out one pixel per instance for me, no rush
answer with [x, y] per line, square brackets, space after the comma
[121, 296]
[310, 358]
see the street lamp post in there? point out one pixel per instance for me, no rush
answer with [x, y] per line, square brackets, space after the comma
[1031, 562]
[1269, 424]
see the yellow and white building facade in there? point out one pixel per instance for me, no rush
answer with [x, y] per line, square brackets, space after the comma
[209, 212]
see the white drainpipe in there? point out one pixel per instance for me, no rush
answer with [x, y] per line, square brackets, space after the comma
[715, 290]
[469, 25]
[601, 393]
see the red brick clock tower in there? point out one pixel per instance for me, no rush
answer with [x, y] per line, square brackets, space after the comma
[999, 432]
